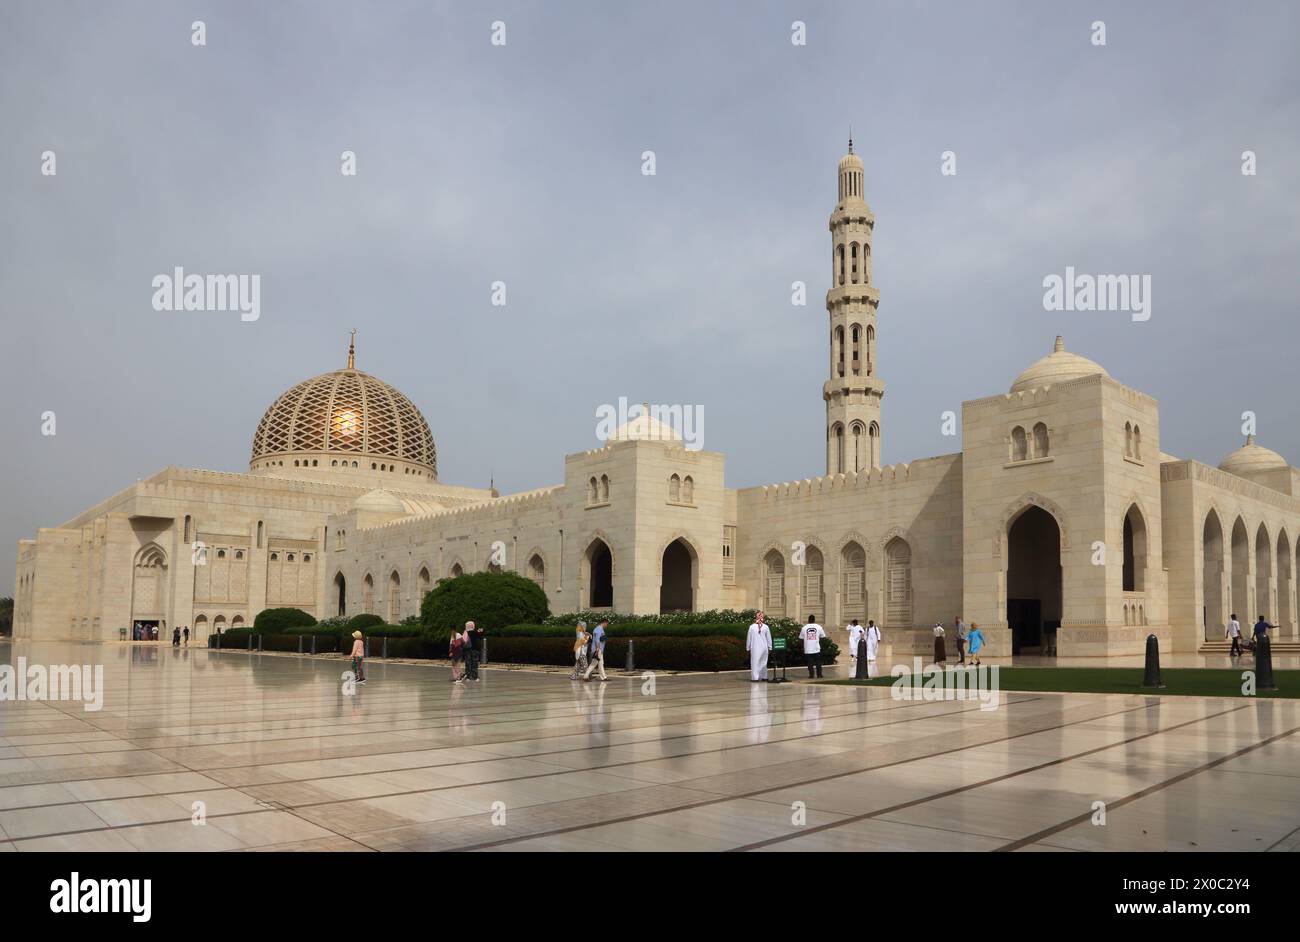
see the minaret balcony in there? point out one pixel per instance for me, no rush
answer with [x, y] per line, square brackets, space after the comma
[851, 293]
[848, 387]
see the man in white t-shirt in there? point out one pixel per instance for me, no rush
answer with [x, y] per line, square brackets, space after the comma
[1234, 632]
[812, 633]
[855, 635]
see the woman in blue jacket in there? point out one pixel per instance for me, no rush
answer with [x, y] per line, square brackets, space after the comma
[976, 640]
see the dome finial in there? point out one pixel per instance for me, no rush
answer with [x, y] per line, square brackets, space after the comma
[1250, 439]
[352, 350]
[850, 138]
[1059, 346]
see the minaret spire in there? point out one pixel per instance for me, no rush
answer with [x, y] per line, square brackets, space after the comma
[352, 350]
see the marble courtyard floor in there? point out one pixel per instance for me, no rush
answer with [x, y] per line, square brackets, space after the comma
[282, 759]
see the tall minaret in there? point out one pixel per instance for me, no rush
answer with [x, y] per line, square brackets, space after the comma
[853, 391]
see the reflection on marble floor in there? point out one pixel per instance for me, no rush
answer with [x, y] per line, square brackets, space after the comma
[277, 757]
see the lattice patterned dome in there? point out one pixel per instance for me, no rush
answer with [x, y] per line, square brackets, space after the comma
[344, 420]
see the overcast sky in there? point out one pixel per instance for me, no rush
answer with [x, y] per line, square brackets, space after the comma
[522, 163]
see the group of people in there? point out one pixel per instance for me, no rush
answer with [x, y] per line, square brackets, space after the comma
[466, 651]
[968, 637]
[864, 642]
[589, 651]
[1233, 632]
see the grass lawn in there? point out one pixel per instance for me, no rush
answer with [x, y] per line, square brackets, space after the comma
[1183, 681]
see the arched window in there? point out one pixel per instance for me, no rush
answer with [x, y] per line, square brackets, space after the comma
[537, 569]
[592, 492]
[854, 256]
[855, 335]
[457, 571]
[898, 583]
[839, 448]
[1128, 439]
[874, 435]
[1137, 442]
[604, 487]
[688, 489]
[870, 351]
[259, 534]
[839, 259]
[1019, 444]
[858, 446]
[422, 583]
[674, 488]
[368, 595]
[853, 582]
[774, 584]
[1040, 441]
[813, 595]
[394, 598]
[839, 350]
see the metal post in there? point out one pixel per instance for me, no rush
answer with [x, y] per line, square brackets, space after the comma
[631, 659]
[1264, 664]
[366, 648]
[1151, 678]
[259, 644]
[218, 641]
[385, 654]
[250, 642]
[483, 659]
[313, 644]
[300, 637]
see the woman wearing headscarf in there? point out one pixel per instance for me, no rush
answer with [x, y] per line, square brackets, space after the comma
[939, 655]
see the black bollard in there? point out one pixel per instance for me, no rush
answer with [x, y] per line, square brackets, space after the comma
[862, 660]
[250, 642]
[483, 658]
[385, 654]
[313, 644]
[259, 644]
[1152, 676]
[631, 663]
[1264, 664]
[300, 637]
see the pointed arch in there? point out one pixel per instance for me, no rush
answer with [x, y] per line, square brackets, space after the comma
[1213, 616]
[898, 583]
[1134, 578]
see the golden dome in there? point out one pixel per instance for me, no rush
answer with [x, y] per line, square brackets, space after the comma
[1251, 458]
[1059, 366]
[342, 415]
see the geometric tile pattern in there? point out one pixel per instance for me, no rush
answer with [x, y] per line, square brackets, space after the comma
[345, 412]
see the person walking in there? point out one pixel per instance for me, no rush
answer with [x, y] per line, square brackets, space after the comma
[597, 659]
[1234, 632]
[856, 632]
[812, 633]
[456, 650]
[758, 641]
[473, 650]
[176, 637]
[976, 643]
[359, 658]
[185, 635]
[580, 640]
[962, 633]
[939, 654]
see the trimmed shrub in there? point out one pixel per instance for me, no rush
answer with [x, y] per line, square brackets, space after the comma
[491, 600]
[363, 622]
[331, 624]
[278, 620]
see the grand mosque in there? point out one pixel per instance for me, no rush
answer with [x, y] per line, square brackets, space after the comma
[1060, 527]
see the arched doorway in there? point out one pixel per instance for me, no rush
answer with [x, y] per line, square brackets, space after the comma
[1135, 551]
[1263, 573]
[341, 589]
[1240, 570]
[1283, 584]
[1213, 617]
[394, 598]
[814, 593]
[149, 588]
[600, 575]
[1034, 592]
[677, 585]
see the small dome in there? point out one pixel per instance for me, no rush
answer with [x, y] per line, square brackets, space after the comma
[1251, 458]
[1059, 366]
[645, 428]
[380, 501]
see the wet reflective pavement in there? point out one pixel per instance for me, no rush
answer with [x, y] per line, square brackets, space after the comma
[205, 750]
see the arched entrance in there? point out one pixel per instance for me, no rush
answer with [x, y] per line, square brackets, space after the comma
[1283, 584]
[1240, 570]
[1263, 574]
[1034, 594]
[1213, 617]
[149, 589]
[600, 575]
[341, 589]
[677, 585]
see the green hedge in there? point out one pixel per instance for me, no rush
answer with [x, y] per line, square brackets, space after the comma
[632, 629]
[489, 599]
[363, 622]
[652, 653]
[726, 616]
[276, 620]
